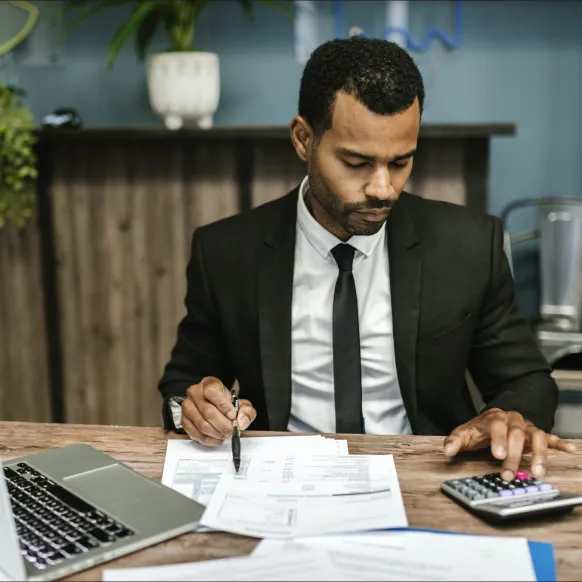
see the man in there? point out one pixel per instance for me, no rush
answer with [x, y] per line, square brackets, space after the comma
[349, 305]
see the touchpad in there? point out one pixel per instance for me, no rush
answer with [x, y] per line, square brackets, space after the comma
[111, 485]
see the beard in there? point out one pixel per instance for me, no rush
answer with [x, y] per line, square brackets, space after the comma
[345, 214]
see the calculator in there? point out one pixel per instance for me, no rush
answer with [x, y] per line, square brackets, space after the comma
[496, 500]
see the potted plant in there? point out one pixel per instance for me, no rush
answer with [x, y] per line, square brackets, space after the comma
[183, 81]
[18, 170]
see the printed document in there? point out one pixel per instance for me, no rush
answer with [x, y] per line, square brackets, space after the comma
[288, 496]
[413, 555]
[303, 564]
[194, 469]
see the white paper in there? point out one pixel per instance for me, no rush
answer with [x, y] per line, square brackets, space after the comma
[315, 503]
[474, 557]
[320, 474]
[362, 556]
[417, 556]
[391, 541]
[303, 564]
[194, 470]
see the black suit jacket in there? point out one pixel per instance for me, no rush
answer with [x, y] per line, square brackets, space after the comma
[453, 305]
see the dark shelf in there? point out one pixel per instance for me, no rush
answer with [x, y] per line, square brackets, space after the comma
[440, 131]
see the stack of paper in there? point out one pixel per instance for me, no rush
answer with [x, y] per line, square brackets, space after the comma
[194, 470]
[288, 487]
[366, 556]
[323, 515]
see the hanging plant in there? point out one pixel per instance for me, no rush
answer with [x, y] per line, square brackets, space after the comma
[18, 161]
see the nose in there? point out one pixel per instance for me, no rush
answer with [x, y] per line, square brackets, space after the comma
[380, 185]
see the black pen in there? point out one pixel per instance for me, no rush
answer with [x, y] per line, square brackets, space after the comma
[235, 434]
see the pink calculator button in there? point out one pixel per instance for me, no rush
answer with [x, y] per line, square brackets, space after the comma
[522, 475]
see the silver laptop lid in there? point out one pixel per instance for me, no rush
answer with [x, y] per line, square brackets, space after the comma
[11, 562]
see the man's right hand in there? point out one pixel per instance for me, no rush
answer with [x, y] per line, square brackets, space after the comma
[208, 413]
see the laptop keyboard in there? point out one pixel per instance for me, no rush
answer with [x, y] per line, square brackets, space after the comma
[52, 523]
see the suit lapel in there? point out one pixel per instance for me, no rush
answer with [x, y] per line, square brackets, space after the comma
[404, 253]
[275, 299]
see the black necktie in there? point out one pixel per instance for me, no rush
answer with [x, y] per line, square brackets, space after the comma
[347, 370]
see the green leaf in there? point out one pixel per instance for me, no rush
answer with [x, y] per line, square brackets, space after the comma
[85, 9]
[247, 6]
[145, 33]
[18, 161]
[129, 28]
[286, 7]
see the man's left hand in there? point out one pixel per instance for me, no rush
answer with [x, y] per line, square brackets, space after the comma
[510, 435]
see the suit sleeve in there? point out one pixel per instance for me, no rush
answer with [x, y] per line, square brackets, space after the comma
[505, 361]
[199, 349]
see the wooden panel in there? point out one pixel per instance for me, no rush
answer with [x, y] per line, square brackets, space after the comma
[438, 171]
[24, 378]
[277, 170]
[124, 217]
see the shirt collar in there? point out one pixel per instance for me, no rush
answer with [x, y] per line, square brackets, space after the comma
[323, 240]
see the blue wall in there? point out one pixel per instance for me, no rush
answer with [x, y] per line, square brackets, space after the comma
[519, 61]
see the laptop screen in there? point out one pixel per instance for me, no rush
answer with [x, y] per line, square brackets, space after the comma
[11, 563]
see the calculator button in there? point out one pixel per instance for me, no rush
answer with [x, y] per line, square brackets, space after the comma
[545, 487]
[519, 491]
[532, 489]
[505, 492]
[522, 475]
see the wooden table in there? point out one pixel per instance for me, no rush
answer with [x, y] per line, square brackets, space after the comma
[419, 461]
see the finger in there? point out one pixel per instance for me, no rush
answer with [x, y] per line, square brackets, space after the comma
[212, 416]
[555, 442]
[516, 436]
[468, 437]
[215, 392]
[190, 410]
[456, 441]
[453, 444]
[539, 449]
[498, 435]
[246, 414]
[197, 436]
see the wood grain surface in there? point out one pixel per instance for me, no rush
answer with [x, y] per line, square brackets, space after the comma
[419, 461]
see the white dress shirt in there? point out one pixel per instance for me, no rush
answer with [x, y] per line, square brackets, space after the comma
[315, 275]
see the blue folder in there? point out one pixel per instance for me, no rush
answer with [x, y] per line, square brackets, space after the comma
[542, 555]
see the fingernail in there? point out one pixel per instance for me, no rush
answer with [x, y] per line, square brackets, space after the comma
[243, 421]
[231, 414]
[500, 452]
[539, 470]
[571, 447]
[507, 475]
[449, 449]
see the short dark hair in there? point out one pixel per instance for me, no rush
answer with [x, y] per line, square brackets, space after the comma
[379, 73]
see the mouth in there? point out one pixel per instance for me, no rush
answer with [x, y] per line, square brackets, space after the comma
[374, 215]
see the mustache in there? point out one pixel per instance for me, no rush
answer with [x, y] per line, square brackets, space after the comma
[370, 204]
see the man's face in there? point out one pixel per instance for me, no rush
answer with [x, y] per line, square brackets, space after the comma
[359, 167]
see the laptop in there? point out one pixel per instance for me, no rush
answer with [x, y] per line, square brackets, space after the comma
[74, 507]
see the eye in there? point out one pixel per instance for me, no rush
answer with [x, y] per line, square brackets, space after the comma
[355, 166]
[399, 164]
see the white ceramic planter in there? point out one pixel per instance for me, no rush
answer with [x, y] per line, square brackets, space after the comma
[184, 88]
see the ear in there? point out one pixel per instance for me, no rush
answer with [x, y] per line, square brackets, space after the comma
[302, 137]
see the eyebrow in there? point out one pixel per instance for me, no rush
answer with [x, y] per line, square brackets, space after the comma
[348, 152]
